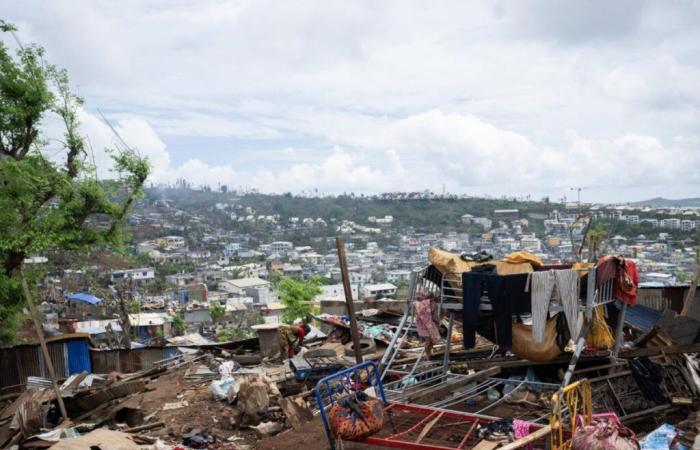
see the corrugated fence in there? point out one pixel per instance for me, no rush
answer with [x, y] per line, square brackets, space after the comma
[71, 354]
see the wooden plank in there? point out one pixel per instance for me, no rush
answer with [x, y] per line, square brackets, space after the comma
[532, 437]
[469, 433]
[653, 351]
[690, 295]
[428, 427]
[486, 445]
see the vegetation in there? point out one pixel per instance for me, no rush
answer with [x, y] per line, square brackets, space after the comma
[295, 294]
[50, 201]
[178, 325]
[216, 311]
[242, 328]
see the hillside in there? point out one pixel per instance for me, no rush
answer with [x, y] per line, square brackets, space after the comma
[660, 202]
[424, 214]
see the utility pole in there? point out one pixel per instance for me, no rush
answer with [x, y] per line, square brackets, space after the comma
[44, 348]
[348, 298]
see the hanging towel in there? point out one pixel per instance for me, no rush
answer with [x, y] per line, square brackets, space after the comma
[568, 286]
[541, 288]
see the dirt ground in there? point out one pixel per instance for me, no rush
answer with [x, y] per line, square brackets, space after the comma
[216, 418]
[310, 436]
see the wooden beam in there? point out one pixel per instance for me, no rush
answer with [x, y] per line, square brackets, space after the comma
[348, 298]
[44, 347]
[532, 437]
[690, 295]
[669, 350]
[428, 427]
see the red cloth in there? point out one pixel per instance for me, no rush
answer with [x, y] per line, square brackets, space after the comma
[626, 283]
[301, 332]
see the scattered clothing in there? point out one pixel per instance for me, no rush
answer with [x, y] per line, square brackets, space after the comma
[649, 378]
[521, 428]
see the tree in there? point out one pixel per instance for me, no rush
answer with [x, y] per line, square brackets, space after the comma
[293, 292]
[216, 311]
[178, 325]
[50, 201]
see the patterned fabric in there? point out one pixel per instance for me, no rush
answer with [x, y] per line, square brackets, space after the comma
[604, 435]
[353, 421]
[425, 322]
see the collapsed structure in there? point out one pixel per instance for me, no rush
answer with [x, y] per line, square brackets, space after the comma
[487, 354]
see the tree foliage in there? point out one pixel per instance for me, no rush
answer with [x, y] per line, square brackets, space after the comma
[50, 199]
[216, 311]
[294, 293]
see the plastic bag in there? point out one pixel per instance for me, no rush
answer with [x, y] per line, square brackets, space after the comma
[224, 389]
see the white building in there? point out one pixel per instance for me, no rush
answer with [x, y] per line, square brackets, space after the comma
[378, 290]
[281, 247]
[239, 286]
[336, 291]
[672, 223]
[398, 276]
[145, 273]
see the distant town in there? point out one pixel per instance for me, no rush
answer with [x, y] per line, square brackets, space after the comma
[204, 260]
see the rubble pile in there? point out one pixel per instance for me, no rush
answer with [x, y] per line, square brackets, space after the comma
[177, 406]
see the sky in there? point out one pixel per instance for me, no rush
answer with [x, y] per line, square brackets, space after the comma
[482, 98]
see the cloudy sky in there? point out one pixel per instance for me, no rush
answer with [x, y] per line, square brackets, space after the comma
[488, 98]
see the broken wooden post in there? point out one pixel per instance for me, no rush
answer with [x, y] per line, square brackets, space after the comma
[44, 348]
[348, 298]
[690, 295]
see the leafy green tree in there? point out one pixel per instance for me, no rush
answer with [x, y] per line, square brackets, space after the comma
[216, 311]
[293, 293]
[178, 325]
[49, 201]
[134, 307]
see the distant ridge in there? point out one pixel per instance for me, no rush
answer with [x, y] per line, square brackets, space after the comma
[660, 202]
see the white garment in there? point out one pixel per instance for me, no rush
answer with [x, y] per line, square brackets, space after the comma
[568, 287]
[541, 287]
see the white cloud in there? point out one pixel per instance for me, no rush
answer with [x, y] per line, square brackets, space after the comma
[497, 97]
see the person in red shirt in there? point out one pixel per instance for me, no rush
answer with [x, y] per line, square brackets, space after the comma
[291, 337]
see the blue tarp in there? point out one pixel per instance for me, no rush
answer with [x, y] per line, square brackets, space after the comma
[87, 298]
[641, 317]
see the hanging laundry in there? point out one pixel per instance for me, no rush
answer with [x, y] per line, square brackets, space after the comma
[624, 273]
[425, 310]
[568, 286]
[507, 296]
[541, 286]
[626, 282]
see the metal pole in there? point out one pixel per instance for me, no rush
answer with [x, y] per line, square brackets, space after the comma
[448, 343]
[348, 298]
[44, 348]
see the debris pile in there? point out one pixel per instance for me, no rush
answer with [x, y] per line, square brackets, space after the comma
[179, 405]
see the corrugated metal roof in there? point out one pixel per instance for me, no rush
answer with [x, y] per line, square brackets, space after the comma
[642, 317]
